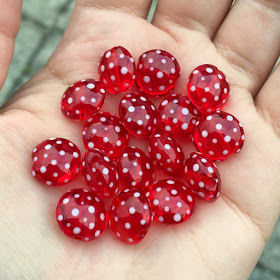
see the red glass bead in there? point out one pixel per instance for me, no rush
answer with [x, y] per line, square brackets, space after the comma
[166, 153]
[138, 115]
[56, 161]
[157, 72]
[202, 177]
[100, 173]
[130, 216]
[104, 132]
[208, 88]
[117, 70]
[178, 116]
[81, 215]
[218, 136]
[135, 169]
[171, 201]
[83, 99]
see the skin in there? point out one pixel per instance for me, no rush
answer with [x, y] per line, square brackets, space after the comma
[222, 240]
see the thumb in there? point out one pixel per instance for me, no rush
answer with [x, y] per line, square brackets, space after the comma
[10, 16]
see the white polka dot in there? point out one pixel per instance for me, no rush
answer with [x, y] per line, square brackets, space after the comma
[156, 202]
[91, 145]
[108, 54]
[151, 60]
[161, 219]
[174, 192]
[91, 225]
[125, 170]
[105, 139]
[184, 126]
[65, 200]
[75, 212]
[132, 210]
[97, 233]
[210, 169]
[229, 118]
[193, 88]
[159, 74]
[201, 184]
[167, 128]
[185, 111]
[127, 225]
[142, 222]
[43, 169]
[179, 204]
[204, 133]
[76, 230]
[60, 217]
[227, 138]
[91, 209]
[177, 217]
[90, 86]
[167, 147]
[67, 165]
[201, 194]
[209, 70]
[217, 86]
[47, 147]
[158, 156]
[70, 100]
[136, 194]
[105, 171]
[219, 126]
[195, 167]
[225, 152]
[162, 88]
[124, 70]
[147, 79]
[131, 109]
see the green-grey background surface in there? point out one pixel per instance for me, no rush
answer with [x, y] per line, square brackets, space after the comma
[43, 24]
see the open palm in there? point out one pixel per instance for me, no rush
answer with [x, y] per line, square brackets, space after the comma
[222, 240]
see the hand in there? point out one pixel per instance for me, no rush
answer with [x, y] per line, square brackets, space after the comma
[222, 240]
[10, 14]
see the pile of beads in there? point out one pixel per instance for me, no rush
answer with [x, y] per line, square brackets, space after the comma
[125, 174]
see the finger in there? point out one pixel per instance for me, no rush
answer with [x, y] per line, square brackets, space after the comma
[139, 8]
[200, 15]
[10, 15]
[249, 39]
[268, 100]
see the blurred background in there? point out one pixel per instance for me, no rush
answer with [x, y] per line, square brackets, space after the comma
[43, 24]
